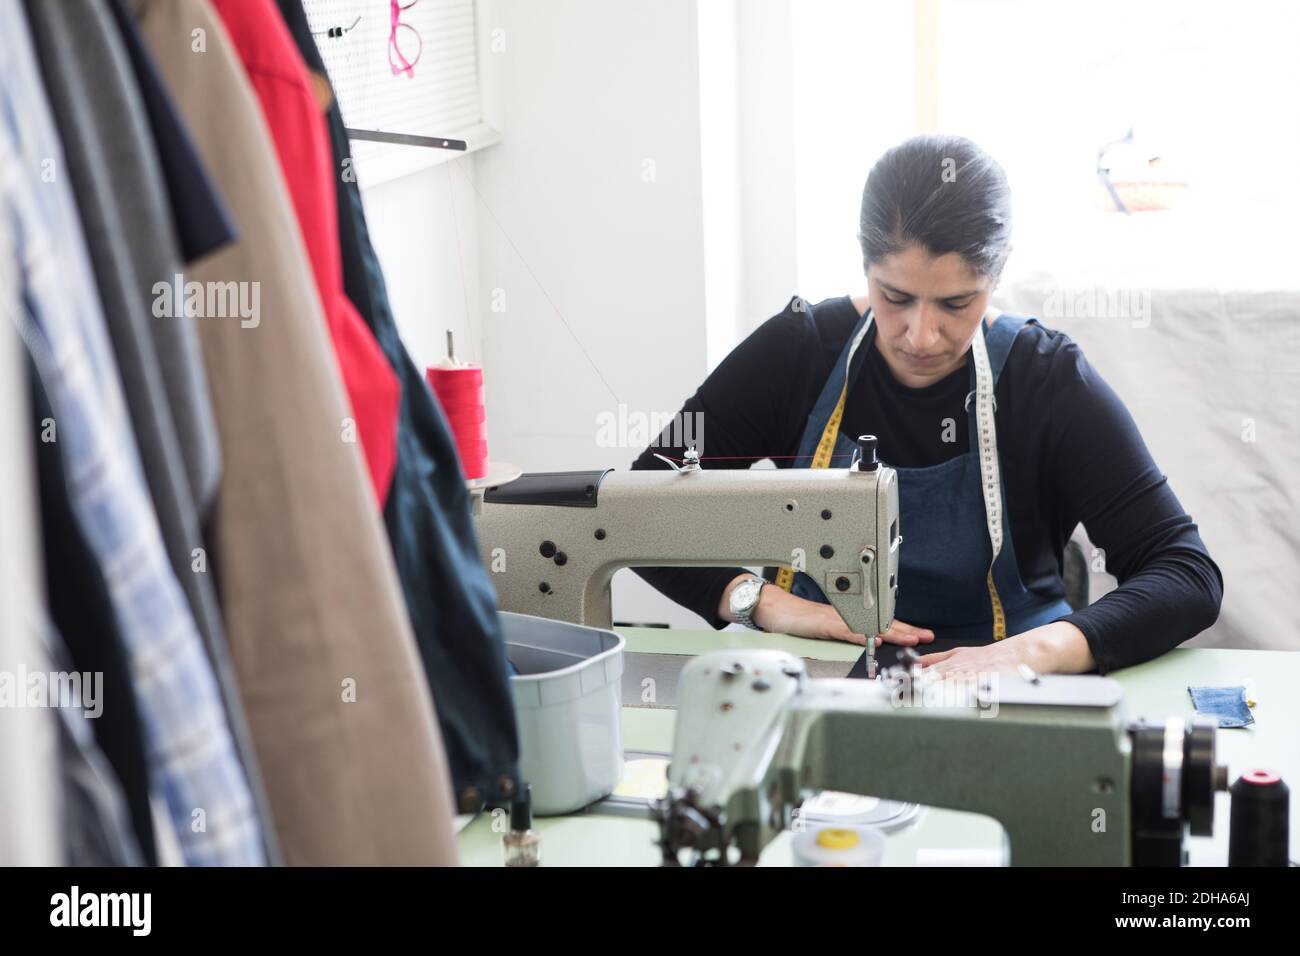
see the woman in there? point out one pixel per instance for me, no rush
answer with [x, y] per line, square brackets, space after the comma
[921, 361]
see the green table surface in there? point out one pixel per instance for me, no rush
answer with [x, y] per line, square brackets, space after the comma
[1154, 690]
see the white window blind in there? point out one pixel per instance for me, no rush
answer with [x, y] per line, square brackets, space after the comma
[439, 98]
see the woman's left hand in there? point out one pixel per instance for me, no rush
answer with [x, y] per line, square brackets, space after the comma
[1056, 648]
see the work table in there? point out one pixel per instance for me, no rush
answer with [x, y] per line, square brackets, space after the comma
[1154, 690]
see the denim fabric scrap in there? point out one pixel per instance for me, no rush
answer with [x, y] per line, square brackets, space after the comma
[1227, 704]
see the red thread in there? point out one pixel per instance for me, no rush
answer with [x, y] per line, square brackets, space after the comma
[751, 457]
[460, 392]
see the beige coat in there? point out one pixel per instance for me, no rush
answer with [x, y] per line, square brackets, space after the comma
[339, 709]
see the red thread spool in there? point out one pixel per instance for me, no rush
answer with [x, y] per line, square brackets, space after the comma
[459, 389]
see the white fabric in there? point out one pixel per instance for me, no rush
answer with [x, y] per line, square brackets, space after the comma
[1212, 378]
[29, 795]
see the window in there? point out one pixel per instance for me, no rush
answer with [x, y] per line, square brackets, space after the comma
[1205, 87]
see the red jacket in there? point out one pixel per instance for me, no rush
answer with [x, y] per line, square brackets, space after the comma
[297, 126]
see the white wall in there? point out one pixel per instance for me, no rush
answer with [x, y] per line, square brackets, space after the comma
[428, 246]
[853, 97]
[757, 175]
[590, 231]
[721, 189]
[815, 90]
[766, 169]
[590, 225]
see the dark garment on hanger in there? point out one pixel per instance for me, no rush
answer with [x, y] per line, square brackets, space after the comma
[82, 612]
[97, 826]
[202, 224]
[450, 598]
[114, 172]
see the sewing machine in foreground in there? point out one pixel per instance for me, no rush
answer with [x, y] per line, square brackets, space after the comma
[1051, 758]
[554, 540]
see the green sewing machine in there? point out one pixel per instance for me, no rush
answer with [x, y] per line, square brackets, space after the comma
[1051, 758]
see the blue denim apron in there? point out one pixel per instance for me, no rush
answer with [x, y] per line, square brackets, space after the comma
[950, 514]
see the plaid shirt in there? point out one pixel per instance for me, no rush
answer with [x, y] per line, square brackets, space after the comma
[192, 758]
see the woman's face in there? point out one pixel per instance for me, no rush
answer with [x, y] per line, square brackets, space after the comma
[926, 309]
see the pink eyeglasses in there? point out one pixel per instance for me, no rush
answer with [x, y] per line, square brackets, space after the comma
[398, 61]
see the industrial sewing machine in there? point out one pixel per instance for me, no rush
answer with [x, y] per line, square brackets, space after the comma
[554, 540]
[1049, 757]
[1052, 758]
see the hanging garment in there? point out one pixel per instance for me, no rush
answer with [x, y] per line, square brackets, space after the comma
[81, 610]
[116, 178]
[30, 793]
[958, 574]
[293, 116]
[97, 825]
[201, 225]
[341, 714]
[192, 758]
[451, 600]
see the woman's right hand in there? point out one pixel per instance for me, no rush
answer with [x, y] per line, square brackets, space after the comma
[780, 612]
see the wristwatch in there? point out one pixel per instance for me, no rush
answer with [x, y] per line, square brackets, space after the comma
[744, 600]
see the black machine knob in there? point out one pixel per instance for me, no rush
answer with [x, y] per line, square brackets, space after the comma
[1157, 838]
[1202, 777]
[867, 460]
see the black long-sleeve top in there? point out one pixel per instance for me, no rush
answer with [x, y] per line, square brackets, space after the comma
[1069, 449]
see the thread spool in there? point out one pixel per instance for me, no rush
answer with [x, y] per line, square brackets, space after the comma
[459, 390]
[1259, 828]
[839, 846]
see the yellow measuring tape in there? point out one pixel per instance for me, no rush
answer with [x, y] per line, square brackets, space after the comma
[999, 616]
[822, 459]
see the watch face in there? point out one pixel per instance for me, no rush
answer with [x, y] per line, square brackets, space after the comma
[745, 595]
